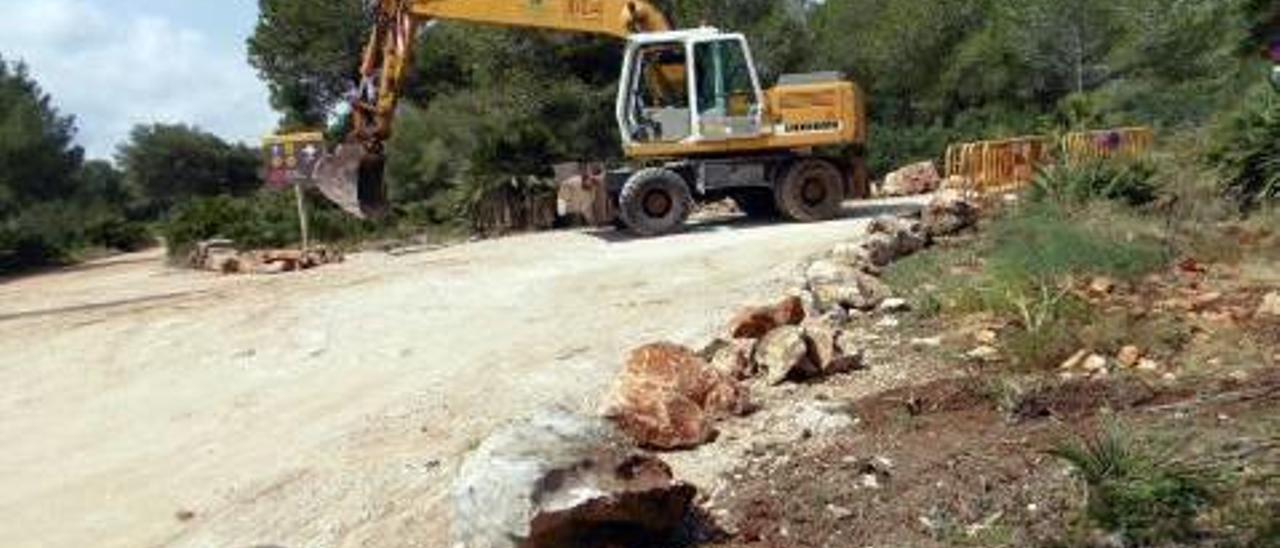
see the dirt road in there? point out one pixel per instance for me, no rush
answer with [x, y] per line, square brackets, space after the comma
[146, 406]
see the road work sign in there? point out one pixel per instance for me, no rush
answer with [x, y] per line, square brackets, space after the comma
[291, 159]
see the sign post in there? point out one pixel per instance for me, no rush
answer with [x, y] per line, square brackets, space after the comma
[291, 161]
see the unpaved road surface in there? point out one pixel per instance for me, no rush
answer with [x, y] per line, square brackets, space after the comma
[147, 406]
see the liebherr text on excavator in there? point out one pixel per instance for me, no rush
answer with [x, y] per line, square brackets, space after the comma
[694, 121]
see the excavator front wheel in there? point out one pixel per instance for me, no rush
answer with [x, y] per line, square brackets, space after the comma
[655, 201]
[811, 189]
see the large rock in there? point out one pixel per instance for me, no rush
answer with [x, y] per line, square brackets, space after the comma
[908, 236]
[756, 321]
[917, 178]
[837, 284]
[557, 479]
[948, 215]
[670, 398]
[731, 358]
[831, 351]
[860, 292]
[784, 354]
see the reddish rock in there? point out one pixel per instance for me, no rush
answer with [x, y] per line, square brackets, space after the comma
[755, 322]
[752, 323]
[669, 398]
[790, 311]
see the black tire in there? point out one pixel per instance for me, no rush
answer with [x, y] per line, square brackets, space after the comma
[810, 190]
[655, 201]
[757, 203]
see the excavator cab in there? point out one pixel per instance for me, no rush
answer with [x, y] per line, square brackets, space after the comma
[698, 85]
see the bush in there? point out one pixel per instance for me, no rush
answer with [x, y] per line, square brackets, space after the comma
[265, 220]
[1246, 151]
[1077, 183]
[119, 234]
[1133, 491]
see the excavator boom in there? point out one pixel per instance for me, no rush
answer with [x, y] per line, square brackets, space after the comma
[358, 162]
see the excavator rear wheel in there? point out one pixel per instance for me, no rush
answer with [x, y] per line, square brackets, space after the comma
[810, 190]
[655, 201]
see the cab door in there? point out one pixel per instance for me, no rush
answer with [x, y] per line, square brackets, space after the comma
[727, 103]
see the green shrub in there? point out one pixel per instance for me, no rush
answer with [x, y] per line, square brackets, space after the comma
[265, 220]
[1246, 151]
[119, 234]
[1076, 183]
[1044, 242]
[1134, 491]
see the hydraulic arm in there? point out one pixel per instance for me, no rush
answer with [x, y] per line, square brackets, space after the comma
[386, 55]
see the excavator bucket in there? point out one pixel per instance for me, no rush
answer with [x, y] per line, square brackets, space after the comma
[351, 178]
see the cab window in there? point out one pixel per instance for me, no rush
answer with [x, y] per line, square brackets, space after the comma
[725, 87]
[660, 94]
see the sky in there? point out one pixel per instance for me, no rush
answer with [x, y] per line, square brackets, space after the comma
[117, 63]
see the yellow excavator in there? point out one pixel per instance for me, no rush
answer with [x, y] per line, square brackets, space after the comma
[694, 121]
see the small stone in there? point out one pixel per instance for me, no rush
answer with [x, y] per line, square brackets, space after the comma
[1102, 285]
[927, 342]
[1094, 362]
[987, 337]
[184, 515]
[1239, 376]
[870, 481]
[1129, 356]
[1169, 377]
[839, 512]
[888, 323]
[1148, 365]
[983, 353]
[1205, 300]
[894, 304]
[1270, 307]
[1075, 360]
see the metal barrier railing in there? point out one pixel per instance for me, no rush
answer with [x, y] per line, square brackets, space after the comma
[993, 167]
[987, 167]
[1127, 143]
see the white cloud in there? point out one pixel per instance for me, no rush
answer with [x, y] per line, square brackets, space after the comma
[113, 70]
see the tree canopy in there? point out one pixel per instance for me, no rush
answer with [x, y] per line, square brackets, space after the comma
[170, 163]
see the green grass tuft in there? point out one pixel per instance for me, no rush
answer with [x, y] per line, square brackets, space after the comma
[1135, 490]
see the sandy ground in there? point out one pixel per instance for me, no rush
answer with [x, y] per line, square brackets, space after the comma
[147, 406]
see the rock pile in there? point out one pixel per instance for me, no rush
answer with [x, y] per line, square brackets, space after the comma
[563, 480]
[1088, 364]
[222, 256]
[670, 397]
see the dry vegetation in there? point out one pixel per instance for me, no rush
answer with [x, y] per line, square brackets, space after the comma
[1112, 381]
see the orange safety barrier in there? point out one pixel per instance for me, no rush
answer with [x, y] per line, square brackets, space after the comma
[991, 167]
[1128, 143]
